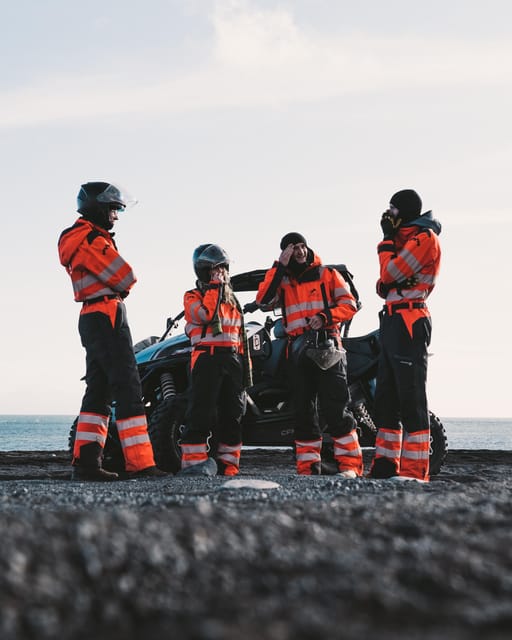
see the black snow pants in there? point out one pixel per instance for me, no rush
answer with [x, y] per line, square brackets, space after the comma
[111, 368]
[217, 398]
[400, 394]
[329, 388]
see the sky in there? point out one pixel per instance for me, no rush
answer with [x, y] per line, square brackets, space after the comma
[235, 122]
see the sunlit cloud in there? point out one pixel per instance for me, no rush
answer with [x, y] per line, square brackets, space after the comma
[262, 58]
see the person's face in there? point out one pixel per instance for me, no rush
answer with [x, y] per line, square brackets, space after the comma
[113, 215]
[393, 211]
[300, 252]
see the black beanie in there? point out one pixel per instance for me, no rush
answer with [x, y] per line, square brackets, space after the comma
[292, 238]
[408, 204]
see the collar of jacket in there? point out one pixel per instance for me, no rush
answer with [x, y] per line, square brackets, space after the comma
[94, 227]
[425, 221]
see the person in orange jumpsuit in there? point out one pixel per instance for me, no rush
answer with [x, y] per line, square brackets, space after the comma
[315, 300]
[101, 280]
[220, 368]
[409, 257]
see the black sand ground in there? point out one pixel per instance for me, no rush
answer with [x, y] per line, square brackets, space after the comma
[314, 558]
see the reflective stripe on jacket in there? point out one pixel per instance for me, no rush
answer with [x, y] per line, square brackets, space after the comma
[302, 297]
[413, 252]
[90, 256]
[200, 311]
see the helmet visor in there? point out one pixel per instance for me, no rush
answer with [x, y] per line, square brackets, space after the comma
[213, 256]
[116, 196]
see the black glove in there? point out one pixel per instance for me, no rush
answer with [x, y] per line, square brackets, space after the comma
[249, 307]
[410, 283]
[384, 289]
[389, 225]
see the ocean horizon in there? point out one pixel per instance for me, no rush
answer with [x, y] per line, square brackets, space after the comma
[50, 432]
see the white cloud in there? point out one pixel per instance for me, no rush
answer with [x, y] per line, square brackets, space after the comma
[262, 58]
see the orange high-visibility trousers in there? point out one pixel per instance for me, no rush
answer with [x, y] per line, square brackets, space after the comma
[347, 452]
[308, 453]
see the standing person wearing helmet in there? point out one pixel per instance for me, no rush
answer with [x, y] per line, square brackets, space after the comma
[220, 367]
[101, 279]
[314, 300]
[409, 257]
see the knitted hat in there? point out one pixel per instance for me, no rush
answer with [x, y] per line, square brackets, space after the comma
[292, 238]
[408, 204]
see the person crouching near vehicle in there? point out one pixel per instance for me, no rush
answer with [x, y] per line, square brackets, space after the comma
[314, 300]
[101, 280]
[220, 368]
[409, 257]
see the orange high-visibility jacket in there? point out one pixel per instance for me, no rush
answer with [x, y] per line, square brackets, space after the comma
[90, 256]
[200, 311]
[414, 251]
[303, 298]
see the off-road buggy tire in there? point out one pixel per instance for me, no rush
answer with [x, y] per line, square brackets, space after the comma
[113, 458]
[438, 444]
[366, 429]
[164, 428]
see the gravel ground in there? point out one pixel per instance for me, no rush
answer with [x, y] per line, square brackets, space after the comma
[315, 557]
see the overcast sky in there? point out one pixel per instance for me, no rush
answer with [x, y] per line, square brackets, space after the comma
[236, 121]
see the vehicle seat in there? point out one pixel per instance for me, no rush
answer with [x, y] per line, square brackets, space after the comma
[279, 330]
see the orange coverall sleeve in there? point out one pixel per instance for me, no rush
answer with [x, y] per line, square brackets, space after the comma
[200, 309]
[101, 258]
[413, 256]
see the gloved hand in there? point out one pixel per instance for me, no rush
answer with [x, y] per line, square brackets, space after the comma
[384, 289]
[389, 225]
[410, 283]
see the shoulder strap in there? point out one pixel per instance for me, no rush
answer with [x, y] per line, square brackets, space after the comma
[326, 303]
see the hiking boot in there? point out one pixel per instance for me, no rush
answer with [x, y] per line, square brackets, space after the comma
[206, 468]
[148, 472]
[88, 465]
[314, 469]
[227, 469]
[93, 474]
[382, 469]
[329, 468]
[348, 474]
[407, 479]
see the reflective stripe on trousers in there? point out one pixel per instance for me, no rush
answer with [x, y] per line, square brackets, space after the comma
[347, 452]
[193, 454]
[91, 427]
[134, 438]
[388, 444]
[414, 461]
[308, 452]
[229, 456]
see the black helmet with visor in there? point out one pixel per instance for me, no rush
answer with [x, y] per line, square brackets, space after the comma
[95, 200]
[206, 257]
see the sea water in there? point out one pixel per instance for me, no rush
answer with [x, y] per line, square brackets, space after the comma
[34, 432]
[50, 432]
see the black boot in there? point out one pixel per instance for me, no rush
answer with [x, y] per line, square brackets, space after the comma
[316, 469]
[88, 465]
[206, 468]
[382, 469]
[148, 472]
